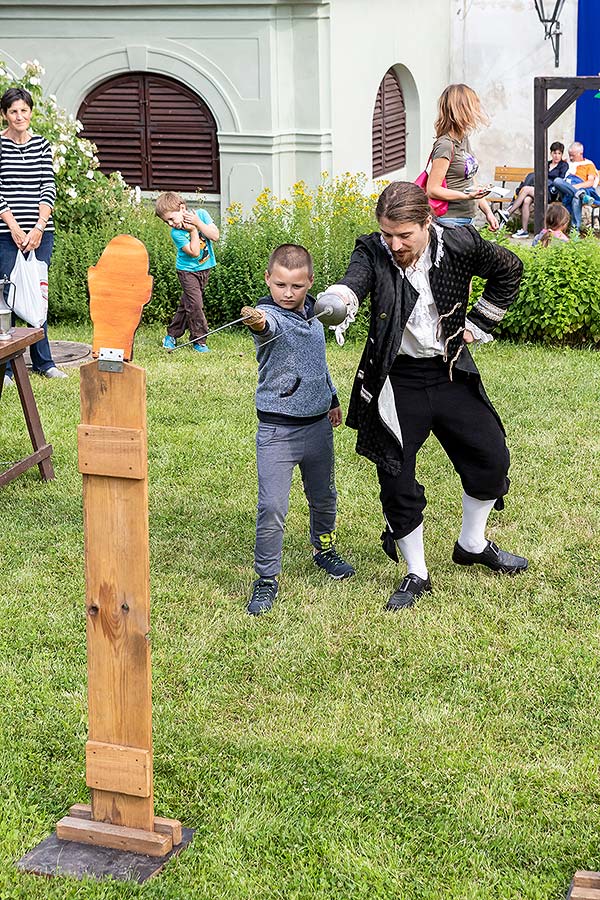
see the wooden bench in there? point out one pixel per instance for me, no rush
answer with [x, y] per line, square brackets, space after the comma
[511, 174]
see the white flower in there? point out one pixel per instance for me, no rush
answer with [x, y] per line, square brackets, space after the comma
[71, 192]
[137, 194]
[78, 125]
[89, 174]
[24, 66]
[52, 98]
[35, 81]
[62, 149]
[55, 167]
[3, 71]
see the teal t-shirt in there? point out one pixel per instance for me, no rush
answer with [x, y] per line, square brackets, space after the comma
[181, 237]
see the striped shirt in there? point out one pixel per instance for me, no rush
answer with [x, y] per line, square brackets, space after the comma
[26, 180]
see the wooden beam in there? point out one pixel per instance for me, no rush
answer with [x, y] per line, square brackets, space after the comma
[161, 824]
[118, 837]
[540, 152]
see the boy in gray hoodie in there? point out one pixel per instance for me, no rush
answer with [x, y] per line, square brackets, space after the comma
[297, 406]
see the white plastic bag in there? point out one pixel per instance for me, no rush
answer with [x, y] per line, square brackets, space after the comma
[30, 304]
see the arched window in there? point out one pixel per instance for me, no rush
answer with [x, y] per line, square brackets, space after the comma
[155, 131]
[389, 127]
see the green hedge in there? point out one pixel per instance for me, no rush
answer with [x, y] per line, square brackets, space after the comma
[559, 301]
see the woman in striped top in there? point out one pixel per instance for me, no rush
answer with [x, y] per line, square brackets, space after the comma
[27, 194]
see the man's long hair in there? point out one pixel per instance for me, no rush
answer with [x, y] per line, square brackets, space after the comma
[403, 201]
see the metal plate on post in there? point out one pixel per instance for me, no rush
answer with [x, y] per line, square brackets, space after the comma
[110, 360]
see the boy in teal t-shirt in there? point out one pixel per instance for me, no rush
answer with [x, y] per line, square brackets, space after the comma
[193, 234]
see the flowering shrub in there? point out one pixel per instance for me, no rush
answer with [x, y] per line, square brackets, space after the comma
[326, 220]
[85, 196]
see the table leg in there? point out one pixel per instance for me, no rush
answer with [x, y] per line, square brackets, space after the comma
[2, 373]
[32, 416]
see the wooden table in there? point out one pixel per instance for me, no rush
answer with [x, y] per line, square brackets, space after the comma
[12, 351]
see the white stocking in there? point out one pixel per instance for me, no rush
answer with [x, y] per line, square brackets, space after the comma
[475, 516]
[412, 549]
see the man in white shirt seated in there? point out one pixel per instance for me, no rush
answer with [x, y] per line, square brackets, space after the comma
[416, 375]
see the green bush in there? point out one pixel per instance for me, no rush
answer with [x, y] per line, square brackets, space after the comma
[559, 300]
[326, 220]
[76, 250]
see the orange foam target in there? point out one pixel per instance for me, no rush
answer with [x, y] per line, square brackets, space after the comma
[120, 286]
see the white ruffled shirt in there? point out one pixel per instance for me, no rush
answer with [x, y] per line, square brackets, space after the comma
[421, 336]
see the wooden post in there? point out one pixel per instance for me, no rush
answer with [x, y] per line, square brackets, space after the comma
[543, 117]
[113, 462]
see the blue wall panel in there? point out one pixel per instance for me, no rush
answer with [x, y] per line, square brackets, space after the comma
[587, 120]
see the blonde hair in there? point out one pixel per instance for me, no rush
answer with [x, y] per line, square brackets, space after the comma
[557, 219]
[459, 112]
[167, 203]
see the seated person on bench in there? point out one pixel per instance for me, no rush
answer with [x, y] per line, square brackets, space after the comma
[557, 168]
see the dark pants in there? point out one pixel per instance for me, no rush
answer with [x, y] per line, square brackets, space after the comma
[454, 411]
[279, 449]
[41, 355]
[190, 312]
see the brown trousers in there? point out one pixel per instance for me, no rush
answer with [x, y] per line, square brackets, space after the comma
[190, 312]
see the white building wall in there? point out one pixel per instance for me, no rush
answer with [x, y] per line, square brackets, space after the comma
[498, 48]
[367, 38]
[262, 68]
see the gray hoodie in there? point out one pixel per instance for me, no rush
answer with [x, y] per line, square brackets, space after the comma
[293, 379]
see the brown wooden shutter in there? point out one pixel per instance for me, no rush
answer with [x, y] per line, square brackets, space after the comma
[155, 131]
[389, 127]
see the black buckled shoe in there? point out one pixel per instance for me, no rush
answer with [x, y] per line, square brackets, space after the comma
[408, 591]
[264, 591]
[493, 557]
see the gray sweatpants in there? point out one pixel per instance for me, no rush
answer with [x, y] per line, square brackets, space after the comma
[278, 449]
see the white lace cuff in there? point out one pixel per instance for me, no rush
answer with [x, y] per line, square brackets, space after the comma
[351, 301]
[481, 337]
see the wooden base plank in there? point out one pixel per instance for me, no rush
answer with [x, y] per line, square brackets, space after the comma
[117, 837]
[585, 886]
[161, 825]
[53, 857]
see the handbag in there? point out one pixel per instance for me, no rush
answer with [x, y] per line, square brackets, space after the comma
[438, 207]
[29, 302]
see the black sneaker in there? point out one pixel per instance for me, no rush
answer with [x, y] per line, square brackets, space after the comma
[409, 590]
[493, 557]
[334, 565]
[264, 591]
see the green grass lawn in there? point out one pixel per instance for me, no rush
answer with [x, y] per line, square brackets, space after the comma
[326, 750]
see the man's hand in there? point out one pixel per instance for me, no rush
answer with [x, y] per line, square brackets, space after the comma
[492, 221]
[468, 337]
[254, 318]
[335, 416]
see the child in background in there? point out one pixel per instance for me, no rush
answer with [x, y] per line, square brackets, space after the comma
[193, 234]
[556, 226]
[297, 406]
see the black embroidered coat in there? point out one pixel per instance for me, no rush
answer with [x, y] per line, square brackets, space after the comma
[457, 255]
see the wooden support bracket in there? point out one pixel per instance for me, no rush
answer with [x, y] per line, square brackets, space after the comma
[124, 770]
[118, 837]
[161, 825]
[585, 886]
[119, 452]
